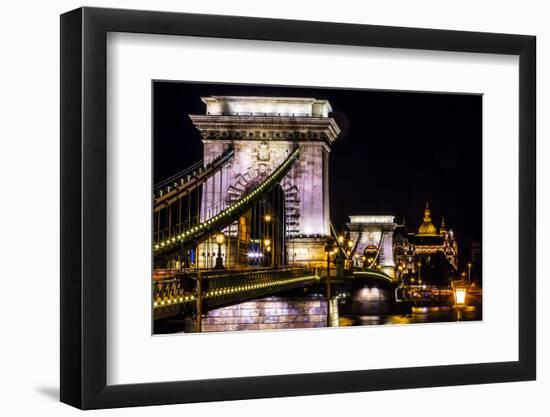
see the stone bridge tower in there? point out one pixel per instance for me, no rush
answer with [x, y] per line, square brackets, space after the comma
[374, 231]
[262, 132]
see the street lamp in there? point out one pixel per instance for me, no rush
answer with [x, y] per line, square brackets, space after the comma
[267, 244]
[267, 217]
[469, 271]
[400, 267]
[220, 239]
[460, 289]
[329, 250]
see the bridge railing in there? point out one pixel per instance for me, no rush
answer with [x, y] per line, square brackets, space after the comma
[181, 178]
[225, 287]
[268, 114]
[174, 180]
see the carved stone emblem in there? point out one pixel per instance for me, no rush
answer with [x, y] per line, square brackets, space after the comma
[263, 153]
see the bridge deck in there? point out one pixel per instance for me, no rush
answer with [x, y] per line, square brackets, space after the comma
[179, 294]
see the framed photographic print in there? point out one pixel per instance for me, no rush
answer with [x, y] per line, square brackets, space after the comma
[257, 208]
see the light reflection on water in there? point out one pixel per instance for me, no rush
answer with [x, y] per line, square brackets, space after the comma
[432, 315]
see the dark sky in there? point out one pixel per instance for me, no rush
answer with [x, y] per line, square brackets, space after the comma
[397, 150]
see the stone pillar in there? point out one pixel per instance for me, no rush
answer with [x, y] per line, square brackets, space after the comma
[387, 262]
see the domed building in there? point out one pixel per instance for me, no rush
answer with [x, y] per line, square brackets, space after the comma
[427, 228]
[410, 247]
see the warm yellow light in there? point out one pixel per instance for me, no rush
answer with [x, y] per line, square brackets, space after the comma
[220, 238]
[350, 244]
[268, 217]
[340, 239]
[460, 295]
[268, 248]
[267, 242]
[469, 264]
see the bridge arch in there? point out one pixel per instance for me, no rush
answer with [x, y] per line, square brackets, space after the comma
[373, 231]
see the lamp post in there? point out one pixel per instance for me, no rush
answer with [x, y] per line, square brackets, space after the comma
[267, 241]
[220, 239]
[419, 267]
[469, 271]
[267, 245]
[400, 268]
[328, 251]
[460, 289]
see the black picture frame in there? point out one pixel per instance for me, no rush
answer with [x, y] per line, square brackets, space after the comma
[83, 207]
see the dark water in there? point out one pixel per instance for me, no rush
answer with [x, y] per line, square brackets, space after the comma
[418, 315]
[356, 307]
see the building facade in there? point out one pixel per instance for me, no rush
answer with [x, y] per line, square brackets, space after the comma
[410, 248]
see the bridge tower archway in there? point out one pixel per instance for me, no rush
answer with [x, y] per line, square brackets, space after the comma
[372, 237]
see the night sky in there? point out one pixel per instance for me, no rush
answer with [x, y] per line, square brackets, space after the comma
[396, 151]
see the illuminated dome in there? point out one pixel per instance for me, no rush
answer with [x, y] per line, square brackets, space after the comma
[427, 228]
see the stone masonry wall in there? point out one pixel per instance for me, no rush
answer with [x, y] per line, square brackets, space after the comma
[271, 314]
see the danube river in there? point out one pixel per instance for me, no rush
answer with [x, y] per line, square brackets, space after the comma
[417, 315]
[359, 306]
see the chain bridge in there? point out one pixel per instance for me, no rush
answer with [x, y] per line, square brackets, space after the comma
[252, 219]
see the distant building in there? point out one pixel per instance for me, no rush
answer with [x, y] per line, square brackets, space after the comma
[408, 247]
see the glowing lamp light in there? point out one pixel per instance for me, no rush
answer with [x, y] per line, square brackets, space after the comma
[267, 217]
[460, 289]
[340, 239]
[267, 242]
[220, 238]
[460, 295]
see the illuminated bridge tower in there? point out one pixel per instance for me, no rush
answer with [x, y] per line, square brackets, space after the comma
[263, 131]
[373, 242]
